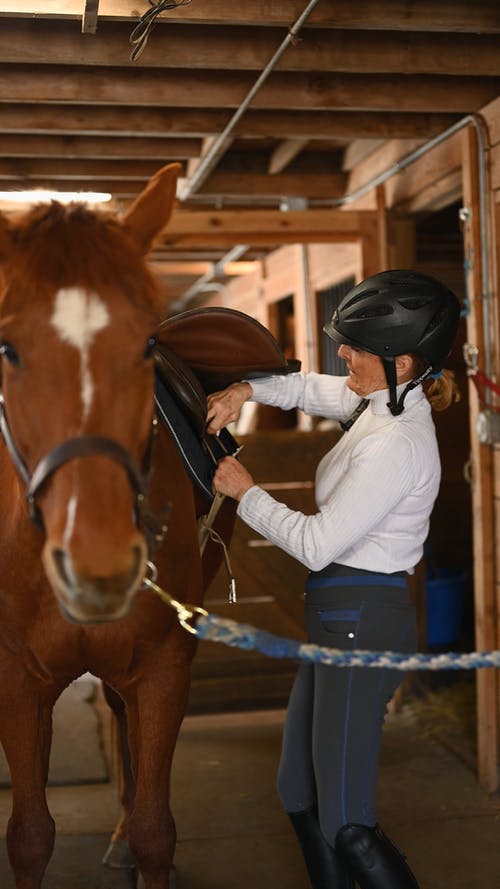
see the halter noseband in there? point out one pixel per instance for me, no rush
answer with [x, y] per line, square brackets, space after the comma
[81, 446]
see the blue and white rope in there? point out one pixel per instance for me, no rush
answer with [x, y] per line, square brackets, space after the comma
[219, 629]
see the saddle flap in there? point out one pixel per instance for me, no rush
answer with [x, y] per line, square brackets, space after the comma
[223, 346]
[183, 385]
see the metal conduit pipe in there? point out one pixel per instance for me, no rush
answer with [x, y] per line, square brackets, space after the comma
[219, 146]
[203, 284]
[478, 123]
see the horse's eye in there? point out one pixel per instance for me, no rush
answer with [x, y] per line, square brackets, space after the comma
[10, 354]
[150, 347]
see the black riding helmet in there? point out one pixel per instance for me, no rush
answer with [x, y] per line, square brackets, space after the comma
[398, 312]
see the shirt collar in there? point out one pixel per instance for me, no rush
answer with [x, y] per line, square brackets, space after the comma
[379, 399]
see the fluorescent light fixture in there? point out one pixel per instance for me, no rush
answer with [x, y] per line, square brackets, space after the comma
[37, 195]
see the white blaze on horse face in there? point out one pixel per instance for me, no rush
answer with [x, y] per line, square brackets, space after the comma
[77, 317]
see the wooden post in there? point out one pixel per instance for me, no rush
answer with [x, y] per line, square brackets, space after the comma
[482, 486]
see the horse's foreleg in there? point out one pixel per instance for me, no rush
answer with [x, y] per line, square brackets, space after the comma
[26, 727]
[118, 854]
[155, 714]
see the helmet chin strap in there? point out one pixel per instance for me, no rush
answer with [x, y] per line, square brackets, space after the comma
[395, 404]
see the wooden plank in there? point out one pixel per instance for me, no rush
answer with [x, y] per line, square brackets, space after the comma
[134, 122]
[89, 19]
[491, 115]
[291, 90]
[358, 150]
[428, 15]
[310, 185]
[495, 166]
[233, 48]
[442, 160]
[244, 223]
[84, 169]
[379, 161]
[372, 251]
[496, 479]
[15, 145]
[284, 153]
[439, 194]
[482, 498]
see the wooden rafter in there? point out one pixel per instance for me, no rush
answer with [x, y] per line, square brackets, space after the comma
[440, 15]
[249, 48]
[89, 18]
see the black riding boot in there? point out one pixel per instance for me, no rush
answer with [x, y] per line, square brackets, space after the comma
[325, 869]
[374, 860]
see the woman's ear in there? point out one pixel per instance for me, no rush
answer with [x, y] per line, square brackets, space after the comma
[404, 368]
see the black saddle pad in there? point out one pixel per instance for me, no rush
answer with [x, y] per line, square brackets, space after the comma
[199, 457]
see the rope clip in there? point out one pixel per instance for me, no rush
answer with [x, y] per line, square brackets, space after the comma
[185, 612]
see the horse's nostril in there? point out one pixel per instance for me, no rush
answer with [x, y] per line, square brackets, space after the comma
[61, 563]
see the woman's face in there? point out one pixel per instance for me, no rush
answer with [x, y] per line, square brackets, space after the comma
[366, 371]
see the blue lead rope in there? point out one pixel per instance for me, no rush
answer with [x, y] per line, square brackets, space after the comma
[218, 629]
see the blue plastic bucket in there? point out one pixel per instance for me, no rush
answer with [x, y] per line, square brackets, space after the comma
[445, 608]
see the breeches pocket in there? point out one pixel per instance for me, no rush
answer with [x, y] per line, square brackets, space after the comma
[371, 625]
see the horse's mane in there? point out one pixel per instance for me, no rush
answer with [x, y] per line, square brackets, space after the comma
[68, 245]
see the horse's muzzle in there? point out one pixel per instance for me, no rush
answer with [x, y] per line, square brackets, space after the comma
[93, 599]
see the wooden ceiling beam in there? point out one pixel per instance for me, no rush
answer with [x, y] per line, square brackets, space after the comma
[431, 168]
[284, 154]
[15, 145]
[358, 150]
[226, 228]
[84, 169]
[89, 18]
[291, 90]
[249, 49]
[35, 170]
[311, 185]
[431, 15]
[134, 122]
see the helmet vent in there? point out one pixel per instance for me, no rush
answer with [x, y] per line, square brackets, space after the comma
[436, 321]
[414, 302]
[360, 297]
[372, 311]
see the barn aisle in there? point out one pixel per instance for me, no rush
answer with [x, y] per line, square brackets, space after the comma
[232, 832]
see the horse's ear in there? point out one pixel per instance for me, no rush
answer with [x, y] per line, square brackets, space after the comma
[152, 209]
[6, 238]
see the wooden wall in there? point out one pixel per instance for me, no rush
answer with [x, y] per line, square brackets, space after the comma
[388, 237]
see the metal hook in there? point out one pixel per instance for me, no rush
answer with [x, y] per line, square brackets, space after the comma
[471, 356]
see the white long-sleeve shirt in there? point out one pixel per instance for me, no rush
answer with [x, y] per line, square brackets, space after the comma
[374, 489]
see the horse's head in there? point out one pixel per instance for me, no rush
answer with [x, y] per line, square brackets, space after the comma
[78, 317]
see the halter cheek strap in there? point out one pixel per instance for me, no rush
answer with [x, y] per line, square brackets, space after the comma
[81, 446]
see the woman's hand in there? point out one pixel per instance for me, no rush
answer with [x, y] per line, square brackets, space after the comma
[232, 479]
[224, 407]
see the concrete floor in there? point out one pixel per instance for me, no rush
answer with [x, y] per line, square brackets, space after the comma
[233, 833]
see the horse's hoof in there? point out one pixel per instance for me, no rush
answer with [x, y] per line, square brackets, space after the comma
[118, 855]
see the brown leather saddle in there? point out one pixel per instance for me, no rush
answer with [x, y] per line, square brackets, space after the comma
[203, 350]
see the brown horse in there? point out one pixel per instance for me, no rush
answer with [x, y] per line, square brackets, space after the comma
[78, 318]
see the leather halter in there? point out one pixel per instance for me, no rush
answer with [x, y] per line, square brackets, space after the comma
[81, 446]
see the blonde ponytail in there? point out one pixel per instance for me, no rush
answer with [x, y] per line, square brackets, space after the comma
[442, 392]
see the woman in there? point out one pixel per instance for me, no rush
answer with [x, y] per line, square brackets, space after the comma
[375, 491]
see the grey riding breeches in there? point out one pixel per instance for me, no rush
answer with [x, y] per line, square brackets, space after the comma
[333, 727]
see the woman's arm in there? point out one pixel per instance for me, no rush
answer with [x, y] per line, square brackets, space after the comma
[316, 394]
[224, 407]
[365, 495]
